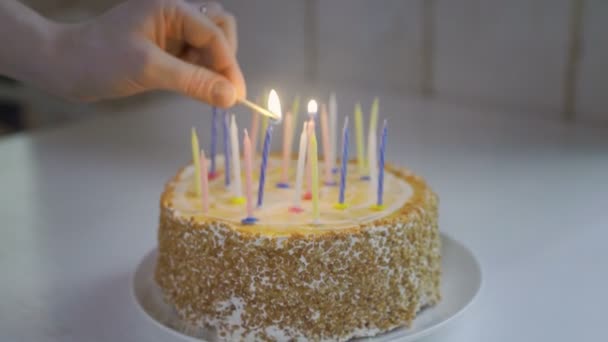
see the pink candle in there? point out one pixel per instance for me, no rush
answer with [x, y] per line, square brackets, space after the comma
[204, 183]
[326, 146]
[287, 133]
[308, 194]
[248, 179]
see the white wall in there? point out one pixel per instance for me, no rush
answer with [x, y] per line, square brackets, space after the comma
[498, 53]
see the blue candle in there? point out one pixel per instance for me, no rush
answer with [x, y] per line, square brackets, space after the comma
[213, 142]
[381, 164]
[344, 167]
[226, 150]
[265, 151]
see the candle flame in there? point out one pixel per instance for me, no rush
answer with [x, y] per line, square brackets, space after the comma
[312, 107]
[274, 104]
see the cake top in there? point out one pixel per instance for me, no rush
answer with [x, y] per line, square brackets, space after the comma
[275, 217]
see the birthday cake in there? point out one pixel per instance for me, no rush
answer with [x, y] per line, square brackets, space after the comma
[359, 270]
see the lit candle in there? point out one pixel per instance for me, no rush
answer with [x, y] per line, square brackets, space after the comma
[313, 108]
[308, 194]
[333, 131]
[287, 131]
[372, 142]
[380, 203]
[359, 137]
[344, 168]
[226, 151]
[315, 178]
[212, 170]
[312, 112]
[204, 183]
[236, 162]
[300, 171]
[248, 179]
[326, 146]
[274, 105]
[196, 163]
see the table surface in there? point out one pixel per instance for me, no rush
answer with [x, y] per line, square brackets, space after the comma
[79, 210]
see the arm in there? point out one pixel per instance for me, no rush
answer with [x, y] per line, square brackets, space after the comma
[25, 36]
[137, 46]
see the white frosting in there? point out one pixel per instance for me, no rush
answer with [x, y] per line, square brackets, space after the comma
[277, 201]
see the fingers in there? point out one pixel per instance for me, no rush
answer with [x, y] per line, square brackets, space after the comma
[223, 19]
[168, 72]
[200, 32]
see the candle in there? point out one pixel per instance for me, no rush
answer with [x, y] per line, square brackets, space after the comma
[295, 110]
[264, 165]
[264, 125]
[212, 173]
[326, 146]
[379, 203]
[274, 105]
[372, 141]
[312, 109]
[311, 131]
[196, 163]
[312, 112]
[236, 162]
[248, 179]
[226, 151]
[296, 208]
[255, 126]
[333, 131]
[359, 137]
[315, 177]
[287, 132]
[204, 183]
[344, 167]
[372, 161]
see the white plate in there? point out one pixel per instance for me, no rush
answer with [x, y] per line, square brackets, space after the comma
[461, 280]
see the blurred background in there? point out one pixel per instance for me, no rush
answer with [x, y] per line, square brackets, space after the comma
[545, 58]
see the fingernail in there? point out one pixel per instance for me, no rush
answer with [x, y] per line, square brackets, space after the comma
[223, 93]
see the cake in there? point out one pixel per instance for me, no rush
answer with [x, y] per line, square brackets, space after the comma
[357, 272]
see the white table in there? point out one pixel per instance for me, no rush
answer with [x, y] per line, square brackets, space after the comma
[79, 209]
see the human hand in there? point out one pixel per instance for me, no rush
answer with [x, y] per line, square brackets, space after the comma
[144, 45]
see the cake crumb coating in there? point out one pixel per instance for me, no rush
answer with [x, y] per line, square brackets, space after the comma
[338, 285]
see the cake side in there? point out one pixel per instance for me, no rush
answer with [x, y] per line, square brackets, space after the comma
[360, 281]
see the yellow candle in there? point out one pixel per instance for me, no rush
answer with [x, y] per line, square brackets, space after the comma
[315, 177]
[359, 137]
[197, 163]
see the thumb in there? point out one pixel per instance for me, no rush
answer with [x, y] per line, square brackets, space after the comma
[170, 73]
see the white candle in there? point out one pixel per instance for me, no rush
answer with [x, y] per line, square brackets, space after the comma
[326, 146]
[359, 139]
[236, 159]
[372, 148]
[333, 130]
[372, 161]
[287, 132]
[297, 200]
